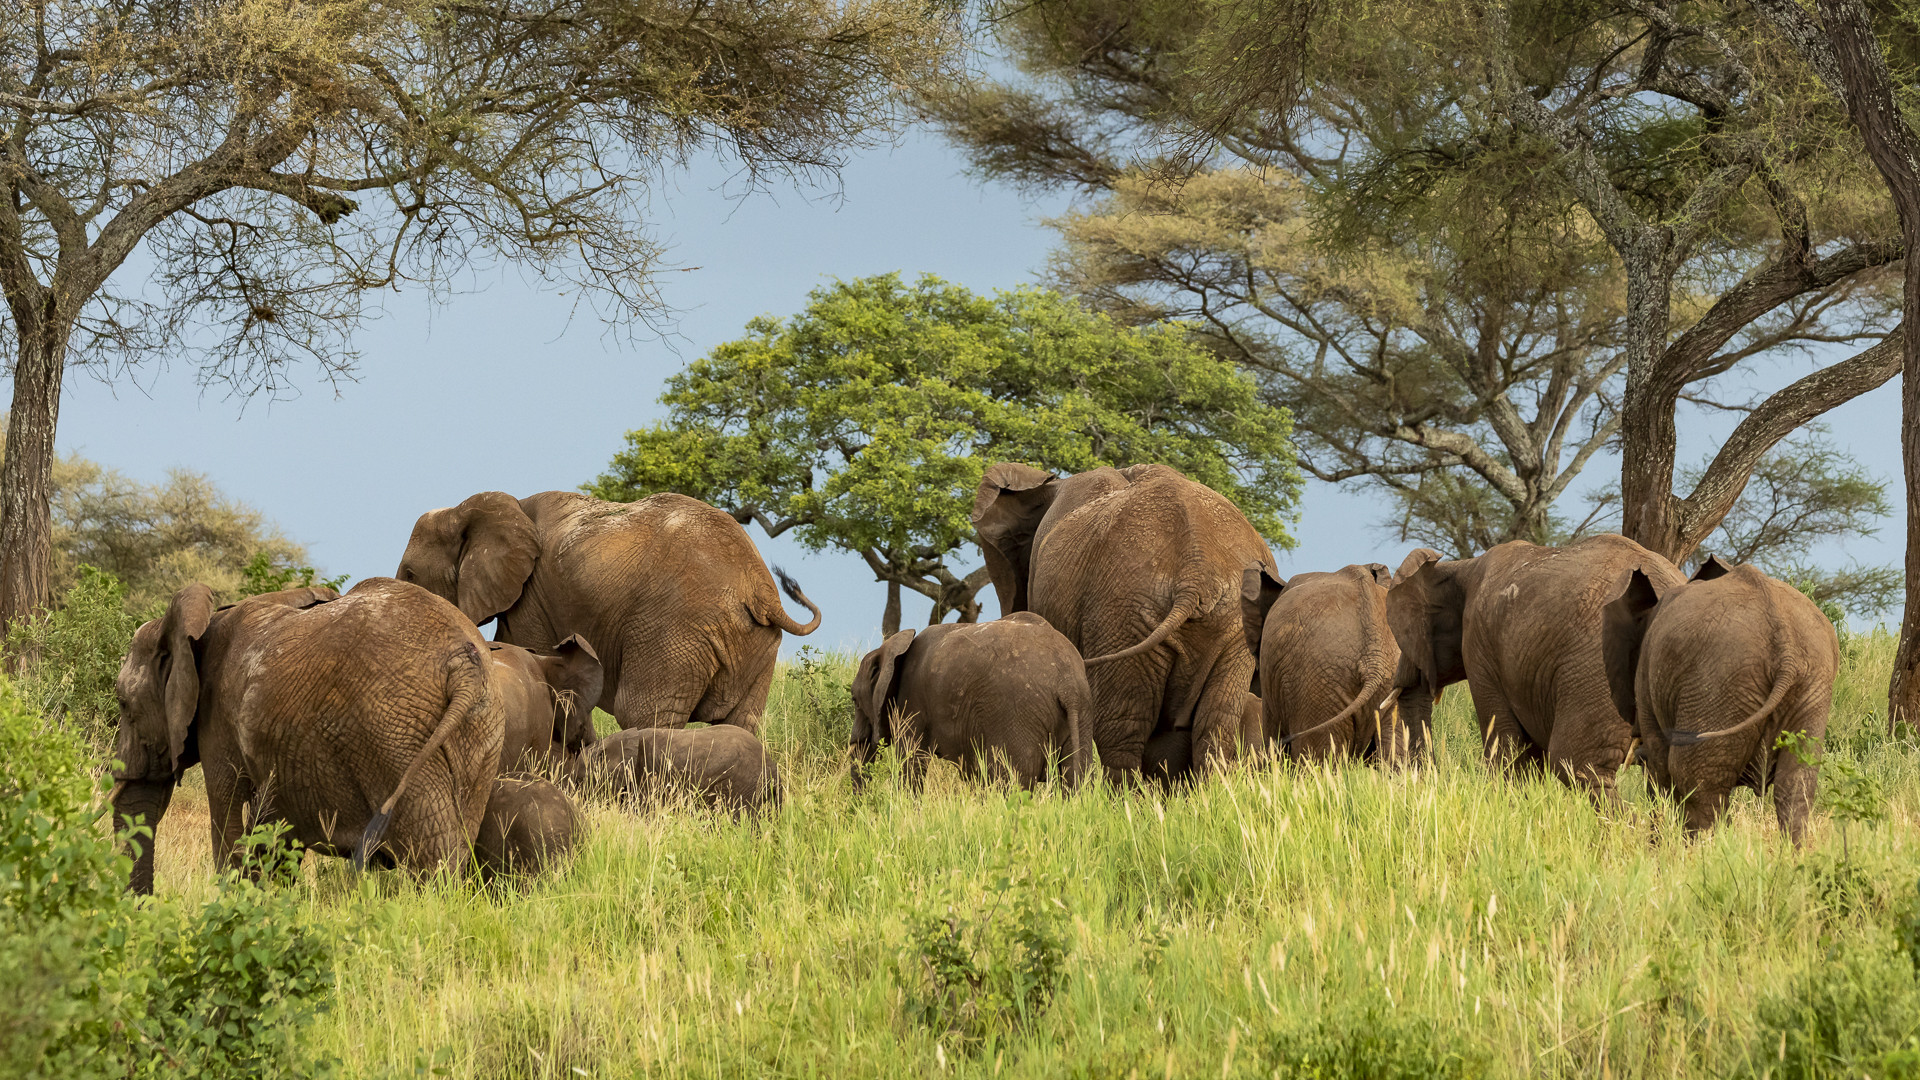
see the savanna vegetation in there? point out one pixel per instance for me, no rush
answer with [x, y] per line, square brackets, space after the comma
[1277, 921]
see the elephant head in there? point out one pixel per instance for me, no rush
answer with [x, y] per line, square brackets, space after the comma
[875, 685]
[1624, 624]
[477, 556]
[1425, 607]
[159, 690]
[575, 674]
[1007, 508]
[1258, 591]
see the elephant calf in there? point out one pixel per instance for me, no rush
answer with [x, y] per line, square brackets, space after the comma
[1327, 660]
[1710, 673]
[530, 824]
[723, 765]
[548, 702]
[1013, 691]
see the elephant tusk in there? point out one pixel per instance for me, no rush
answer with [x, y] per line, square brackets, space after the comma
[118, 787]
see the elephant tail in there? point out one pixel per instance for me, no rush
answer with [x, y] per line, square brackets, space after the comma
[1079, 757]
[1373, 686]
[466, 689]
[1186, 602]
[1781, 684]
[779, 616]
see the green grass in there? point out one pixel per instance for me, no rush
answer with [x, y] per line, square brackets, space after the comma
[1274, 922]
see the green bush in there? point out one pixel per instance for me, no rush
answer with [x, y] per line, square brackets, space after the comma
[263, 574]
[70, 656]
[1857, 1014]
[98, 984]
[1377, 1042]
[974, 970]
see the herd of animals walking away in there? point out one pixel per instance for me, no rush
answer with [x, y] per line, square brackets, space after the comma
[380, 725]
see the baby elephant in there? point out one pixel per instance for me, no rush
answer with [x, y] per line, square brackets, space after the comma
[723, 765]
[1711, 673]
[1013, 691]
[548, 701]
[530, 824]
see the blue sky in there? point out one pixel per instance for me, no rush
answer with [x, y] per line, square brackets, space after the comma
[503, 388]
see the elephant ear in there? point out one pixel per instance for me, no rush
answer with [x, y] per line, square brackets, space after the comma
[477, 555]
[1424, 609]
[577, 678]
[886, 677]
[178, 668]
[1714, 567]
[1007, 508]
[1258, 591]
[1382, 576]
[1623, 626]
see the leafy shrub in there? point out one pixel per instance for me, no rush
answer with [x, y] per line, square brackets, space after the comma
[97, 984]
[976, 969]
[816, 720]
[71, 655]
[264, 574]
[1377, 1042]
[1857, 1014]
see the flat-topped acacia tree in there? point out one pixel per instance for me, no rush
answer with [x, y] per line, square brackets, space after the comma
[865, 422]
[273, 160]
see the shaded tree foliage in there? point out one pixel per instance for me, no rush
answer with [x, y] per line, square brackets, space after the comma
[1485, 241]
[864, 423]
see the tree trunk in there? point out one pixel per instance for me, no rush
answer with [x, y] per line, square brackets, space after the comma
[1903, 695]
[1867, 88]
[26, 477]
[890, 619]
[1649, 437]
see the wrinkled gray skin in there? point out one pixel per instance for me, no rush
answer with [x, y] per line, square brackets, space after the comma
[1711, 673]
[723, 766]
[1141, 569]
[317, 712]
[530, 825]
[547, 701]
[675, 598]
[1522, 624]
[1327, 662]
[1013, 691]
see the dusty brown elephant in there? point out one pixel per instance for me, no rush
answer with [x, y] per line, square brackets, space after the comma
[1141, 569]
[1013, 691]
[722, 766]
[368, 723]
[546, 702]
[672, 593]
[1327, 661]
[1711, 673]
[530, 824]
[1522, 625]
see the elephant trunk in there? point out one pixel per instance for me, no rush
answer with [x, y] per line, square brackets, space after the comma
[1416, 722]
[143, 802]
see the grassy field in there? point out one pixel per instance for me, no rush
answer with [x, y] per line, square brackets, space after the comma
[1279, 921]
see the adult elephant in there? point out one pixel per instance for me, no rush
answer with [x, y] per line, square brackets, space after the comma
[672, 593]
[1141, 569]
[1522, 625]
[1327, 661]
[360, 720]
[1713, 673]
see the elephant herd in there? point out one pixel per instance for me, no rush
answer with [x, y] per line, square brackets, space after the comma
[1145, 629]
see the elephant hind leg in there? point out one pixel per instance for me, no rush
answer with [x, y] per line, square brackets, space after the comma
[725, 703]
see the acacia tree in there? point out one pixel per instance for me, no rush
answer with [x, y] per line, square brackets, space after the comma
[274, 161]
[865, 422]
[1845, 53]
[1561, 145]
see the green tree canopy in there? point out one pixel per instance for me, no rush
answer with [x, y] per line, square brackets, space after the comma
[864, 423]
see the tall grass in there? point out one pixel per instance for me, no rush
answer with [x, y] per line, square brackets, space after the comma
[1274, 922]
